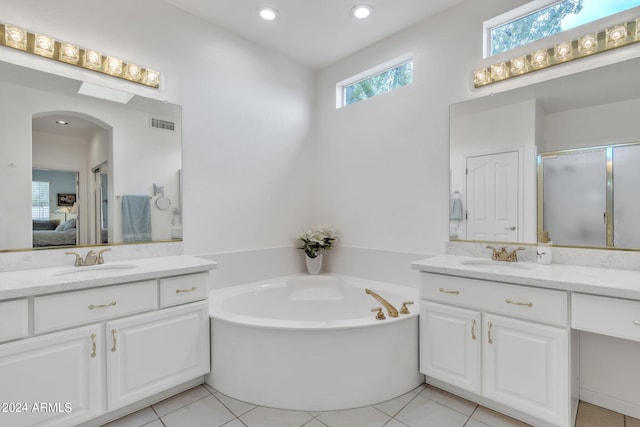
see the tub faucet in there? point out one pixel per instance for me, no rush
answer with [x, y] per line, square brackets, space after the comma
[390, 309]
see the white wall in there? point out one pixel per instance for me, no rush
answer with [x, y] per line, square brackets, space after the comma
[613, 123]
[384, 162]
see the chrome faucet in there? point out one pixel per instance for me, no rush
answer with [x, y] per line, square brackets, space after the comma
[390, 309]
[501, 254]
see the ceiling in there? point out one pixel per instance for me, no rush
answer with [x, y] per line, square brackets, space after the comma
[315, 33]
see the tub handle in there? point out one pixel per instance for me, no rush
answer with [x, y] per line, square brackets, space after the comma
[380, 315]
[404, 309]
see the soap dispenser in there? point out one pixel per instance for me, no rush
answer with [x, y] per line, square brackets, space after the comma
[544, 254]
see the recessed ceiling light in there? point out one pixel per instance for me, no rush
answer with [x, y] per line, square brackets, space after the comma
[62, 122]
[362, 11]
[268, 13]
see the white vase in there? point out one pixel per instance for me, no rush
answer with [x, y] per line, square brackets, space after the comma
[314, 265]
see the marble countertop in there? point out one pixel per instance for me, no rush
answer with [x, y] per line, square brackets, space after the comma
[592, 280]
[24, 283]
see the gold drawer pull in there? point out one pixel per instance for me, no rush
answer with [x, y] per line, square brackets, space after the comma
[473, 329]
[181, 291]
[445, 291]
[489, 333]
[113, 334]
[93, 345]
[636, 322]
[112, 303]
[509, 301]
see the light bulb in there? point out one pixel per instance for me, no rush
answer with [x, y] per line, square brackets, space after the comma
[362, 11]
[267, 13]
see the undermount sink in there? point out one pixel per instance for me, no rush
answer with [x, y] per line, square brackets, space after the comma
[93, 270]
[491, 263]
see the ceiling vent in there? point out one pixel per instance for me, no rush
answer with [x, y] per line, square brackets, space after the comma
[162, 124]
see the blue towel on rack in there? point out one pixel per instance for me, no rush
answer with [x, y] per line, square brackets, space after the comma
[455, 209]
[136, 218]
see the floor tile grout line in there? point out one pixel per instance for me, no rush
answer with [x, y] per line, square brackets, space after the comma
[400, 410]
[396, 420]
[183, 406]
[316, 419]
[229, 409]
[157, 415]
[236, 418]
[454, 409]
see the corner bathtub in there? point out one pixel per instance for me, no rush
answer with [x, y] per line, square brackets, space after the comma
[312, 343]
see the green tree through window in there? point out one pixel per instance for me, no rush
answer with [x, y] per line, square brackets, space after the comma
[538, 25]
[386, 81]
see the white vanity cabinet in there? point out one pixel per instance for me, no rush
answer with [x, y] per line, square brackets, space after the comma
[506, 343]
[52, 380]
[450, 345]
[98, 350]
[152, 352]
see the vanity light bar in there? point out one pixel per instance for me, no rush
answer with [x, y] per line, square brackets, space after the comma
[68, 53]
[613, 37]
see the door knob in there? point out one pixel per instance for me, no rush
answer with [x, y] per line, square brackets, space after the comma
[512, 228]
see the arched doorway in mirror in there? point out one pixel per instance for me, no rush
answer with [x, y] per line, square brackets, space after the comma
[79, 144]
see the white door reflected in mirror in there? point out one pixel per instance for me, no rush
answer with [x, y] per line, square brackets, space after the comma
[492, 197]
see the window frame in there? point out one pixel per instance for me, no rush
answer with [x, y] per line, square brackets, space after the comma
[41, 210]
[536, 5]
[371, 72]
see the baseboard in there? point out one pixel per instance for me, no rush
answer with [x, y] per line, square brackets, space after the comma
[141, 404]
[611, 403]
[488, 403]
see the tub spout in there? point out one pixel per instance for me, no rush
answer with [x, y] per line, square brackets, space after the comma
[390, 309]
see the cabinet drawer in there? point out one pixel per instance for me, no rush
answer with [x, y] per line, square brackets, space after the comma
[183, 289]
[75, 308]
[525, 302]
[14, 319]
[605, 315]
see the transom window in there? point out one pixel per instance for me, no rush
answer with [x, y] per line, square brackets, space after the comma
[375, 81]
[543, 18]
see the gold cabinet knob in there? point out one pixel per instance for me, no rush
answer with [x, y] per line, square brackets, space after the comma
[380, 315]
[404, 309]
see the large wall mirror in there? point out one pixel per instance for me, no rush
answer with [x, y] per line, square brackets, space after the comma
[561, 156]
[80, 170]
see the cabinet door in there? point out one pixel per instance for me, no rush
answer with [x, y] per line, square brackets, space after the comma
[450, 345]
[53, 380]
[526, 367]
[152, 352]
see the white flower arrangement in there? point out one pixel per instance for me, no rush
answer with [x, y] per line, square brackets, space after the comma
[317, 239]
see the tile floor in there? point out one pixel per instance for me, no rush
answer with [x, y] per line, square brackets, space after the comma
[422, 407]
